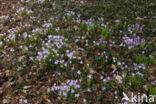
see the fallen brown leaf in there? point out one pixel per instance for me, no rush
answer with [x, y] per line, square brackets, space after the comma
[45, 98]
[1, 91]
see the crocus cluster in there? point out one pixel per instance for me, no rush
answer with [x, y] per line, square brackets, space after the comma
[54, 43]
[23, 9]
[135, 27]
[70, 86]
[11, 34]
[46, 25]
[138, 68]
[69, 13]
[1, 43]
[131, 42]
[37, 30]
[4, 17]
[77, 20]
[25, 1]
[122, 65]
[20, 9]
[24, 101]
[90, 22]
[40, 1]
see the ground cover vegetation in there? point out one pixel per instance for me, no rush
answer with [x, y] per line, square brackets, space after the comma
[76, 51]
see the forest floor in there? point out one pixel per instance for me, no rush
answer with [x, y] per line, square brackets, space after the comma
[77, 51]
